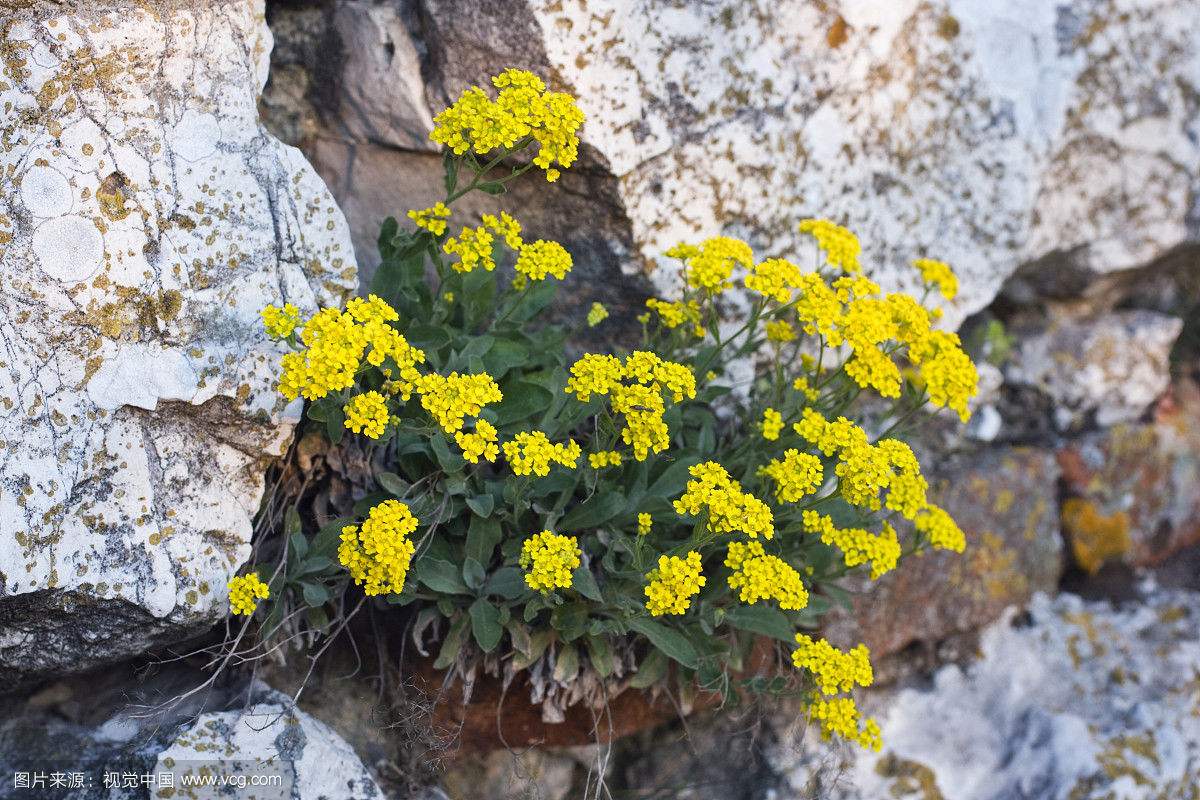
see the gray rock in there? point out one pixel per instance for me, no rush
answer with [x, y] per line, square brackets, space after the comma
[1080, 701]
[148, 217]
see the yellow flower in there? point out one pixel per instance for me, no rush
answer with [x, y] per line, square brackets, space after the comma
[774, 278]
[450, 399]
[549, 559]
[673, 584]
[780, 331]
[942, 530]
[818, 308]
[841, 246]
[506, 228]
[772, 424]
[672, 315]
[597, 314]
[833, 670]
[645, 523]
[377, 553]
[473, 246]
[948, 373]
[538, 259]
[480, 444]
[432, 219]
[802, 386]
[939, 274]
[729, 508]
[604, 458]
[840, 716]
[758, 576]
[367, 414]
[858, 546]
[594, 374]
[523, 108]
[244, 593]
[797, 475]
[280, 322]
[530, 452]
[711, 267]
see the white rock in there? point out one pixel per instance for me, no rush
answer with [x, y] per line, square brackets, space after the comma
[1083, 702]
[1115, 365]
[146, 220]
[986, 134]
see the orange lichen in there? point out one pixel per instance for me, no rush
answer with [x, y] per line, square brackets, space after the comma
[1095, 537]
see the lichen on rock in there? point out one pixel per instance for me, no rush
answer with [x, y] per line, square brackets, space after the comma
[146, 218]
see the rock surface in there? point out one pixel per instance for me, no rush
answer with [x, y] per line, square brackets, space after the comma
[1134, 490]
[1112, 367]
[147, 217]
[1005, 501]
[257, 745]
[989, 135]
[1081, 701]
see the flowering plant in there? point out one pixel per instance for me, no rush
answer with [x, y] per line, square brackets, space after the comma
[613, 514]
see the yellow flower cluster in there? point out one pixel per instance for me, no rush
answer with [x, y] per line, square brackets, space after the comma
[938, 274]
[758, 576]
[942, 530]
[840, 716]
[644, 523]
[604, 458]
[797, 475]
[532, 452]
[244, 593]
[709, 266]
[450, 399]
[833, 670]
[772, 424]
[473, 246]
[729, 508]
[640, 402]
[948, 373]
[673, 584]
[841, 246]
[780, 331]
[432, 219]
[280, 322]
[480, 444]
[548, 560]
[810, 392]
[596, 314]
[367, 414]
[858, 546]
[523, 108]
[378, 552]
[538, 259]
[672, 315]
[506, 227]
[775, 278]
[334, 346]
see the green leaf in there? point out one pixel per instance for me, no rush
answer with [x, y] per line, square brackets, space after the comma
[584, 582]
[672, 480]
[570, 620]
[387, 233]
[315, 594]
[317, 618]
[596, 510]
[534, 300]
[537, 645]
[482, 537]
[452, 644]
[485, 625]
[391, 482]
[439, 575]
[298, 545]
[329, 536]
[492, 188]
[507, 582]
[566, 664]
[522, 400]
[449, 461]
[428, 337]
[482, 504]
[652, 669]
[450, 164]
[335, 424]
[600, 654]
[291, 522]
[505, 354]
[473, 574]
[762, 620]
[673, 643]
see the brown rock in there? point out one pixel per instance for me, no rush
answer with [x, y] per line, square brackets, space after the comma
[1005, 502]
[1134, 490]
